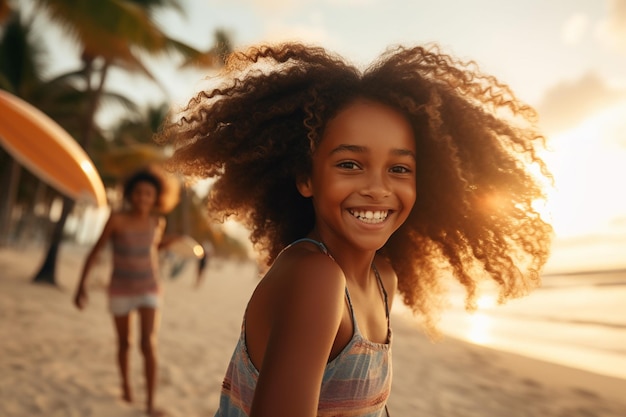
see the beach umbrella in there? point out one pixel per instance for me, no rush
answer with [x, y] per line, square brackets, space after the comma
[43, 147]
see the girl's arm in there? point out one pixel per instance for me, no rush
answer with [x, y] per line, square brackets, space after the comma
[305, 313]
[165, 239]
[80, 299]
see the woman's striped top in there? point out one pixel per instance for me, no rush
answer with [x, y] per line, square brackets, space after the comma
[135, 263]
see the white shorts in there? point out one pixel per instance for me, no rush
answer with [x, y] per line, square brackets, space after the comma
[121, 305]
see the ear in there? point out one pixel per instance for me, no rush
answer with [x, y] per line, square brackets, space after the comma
[305, 188]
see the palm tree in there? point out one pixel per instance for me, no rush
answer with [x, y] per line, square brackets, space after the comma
[22, 65]
[108, 33]
[21, 73]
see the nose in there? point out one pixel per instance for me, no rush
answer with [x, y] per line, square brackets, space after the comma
[376, 186]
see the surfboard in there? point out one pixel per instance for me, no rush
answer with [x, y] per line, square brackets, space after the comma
[44, 148]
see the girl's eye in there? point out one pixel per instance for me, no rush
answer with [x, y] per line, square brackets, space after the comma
[348, 165]
[400, 170]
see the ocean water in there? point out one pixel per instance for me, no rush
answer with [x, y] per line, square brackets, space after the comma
[574, 319]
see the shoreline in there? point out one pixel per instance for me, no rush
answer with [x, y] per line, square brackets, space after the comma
[595, 271]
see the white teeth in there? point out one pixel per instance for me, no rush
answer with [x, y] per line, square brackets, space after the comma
[369, 216]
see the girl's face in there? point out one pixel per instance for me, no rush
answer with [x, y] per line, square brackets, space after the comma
[143, 197]
[363, 177]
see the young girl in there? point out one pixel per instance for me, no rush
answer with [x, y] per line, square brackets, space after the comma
[357, 186]
[136, 234]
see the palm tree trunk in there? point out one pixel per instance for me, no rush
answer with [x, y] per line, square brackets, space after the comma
[46, 274]
[95, 95]
[8, 195]
[32, 224]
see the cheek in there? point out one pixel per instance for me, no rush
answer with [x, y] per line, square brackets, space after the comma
[409, 196]
[152, 199]
[337, 191]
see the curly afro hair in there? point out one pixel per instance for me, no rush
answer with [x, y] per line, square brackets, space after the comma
[478, 175]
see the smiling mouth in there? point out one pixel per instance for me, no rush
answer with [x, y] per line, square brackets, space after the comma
[369, 216]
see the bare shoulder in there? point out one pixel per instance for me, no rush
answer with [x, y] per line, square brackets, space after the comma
[304, 270]
[303, 285]
[295, 310]
[116, 220]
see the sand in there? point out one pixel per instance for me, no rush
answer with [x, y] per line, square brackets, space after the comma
[57, 361]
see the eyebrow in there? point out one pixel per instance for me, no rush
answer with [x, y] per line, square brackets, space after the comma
[363, 149]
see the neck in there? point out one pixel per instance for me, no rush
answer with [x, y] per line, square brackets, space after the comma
[139, 213]
[355, 263]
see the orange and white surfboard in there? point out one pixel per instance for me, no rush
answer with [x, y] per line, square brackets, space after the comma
[43, 147]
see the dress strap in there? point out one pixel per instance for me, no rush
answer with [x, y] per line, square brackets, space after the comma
[384, 294]
[382, 288]
[315, 242]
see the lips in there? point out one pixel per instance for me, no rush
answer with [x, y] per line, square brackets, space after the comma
[370, 216]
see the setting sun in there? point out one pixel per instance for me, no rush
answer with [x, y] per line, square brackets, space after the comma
[588, 165]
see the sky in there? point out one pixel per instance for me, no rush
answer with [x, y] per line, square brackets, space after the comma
[534, 45]
[565, 57]
[547, 51]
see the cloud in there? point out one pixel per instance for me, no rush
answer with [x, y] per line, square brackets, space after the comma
[568, 103]
[612, 29]
[574, 29]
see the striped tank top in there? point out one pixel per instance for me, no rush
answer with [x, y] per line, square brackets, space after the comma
[356, 383]
[135, 263]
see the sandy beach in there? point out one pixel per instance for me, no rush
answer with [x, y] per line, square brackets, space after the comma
[57, 361]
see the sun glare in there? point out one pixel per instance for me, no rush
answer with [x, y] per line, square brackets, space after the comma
[486, 301]
[588, 163]
[480, 329]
